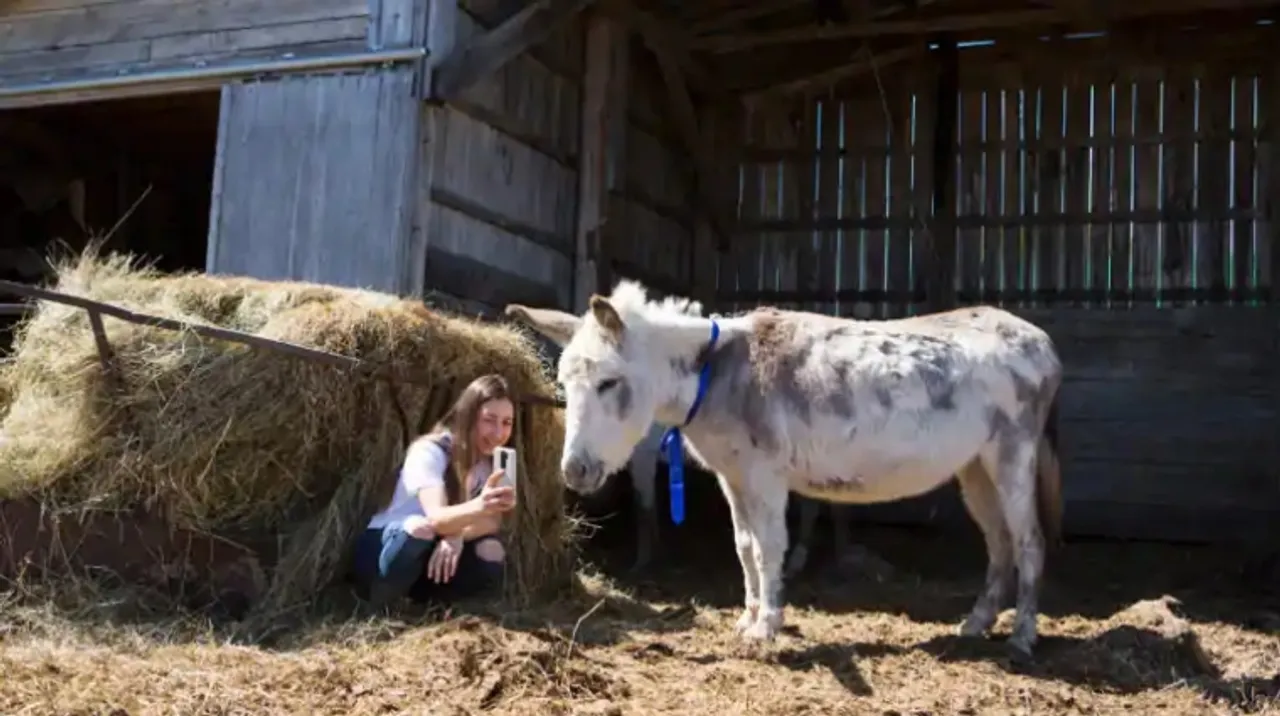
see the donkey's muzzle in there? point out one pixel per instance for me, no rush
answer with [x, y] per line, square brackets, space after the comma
[582, 474]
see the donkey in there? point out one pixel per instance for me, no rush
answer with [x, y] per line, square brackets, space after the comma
[834, 409]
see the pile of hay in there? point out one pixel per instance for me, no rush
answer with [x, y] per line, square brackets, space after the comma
[252, 445]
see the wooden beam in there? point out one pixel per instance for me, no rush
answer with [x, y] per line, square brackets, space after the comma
[862, 62]
[968, 22]
[940, 267]
[601, 159]
[675, 42]
[686, 119]
[487, 53]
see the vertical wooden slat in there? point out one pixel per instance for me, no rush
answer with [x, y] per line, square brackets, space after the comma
[1178, 268]
[1269, 179]
[1100, 233]
[898, 201]
[927, 232]
[1050, 171]
[1014, 235]
[992, 187]
[828, 203]
[970, 187]
[1242, 200]
[1078, 176]
[1145, 183]
[1122, 250]
[748, 248]
[853, 244]
[868, 130]
[1214, 181]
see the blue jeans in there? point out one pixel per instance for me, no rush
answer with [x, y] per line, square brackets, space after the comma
[390, 563]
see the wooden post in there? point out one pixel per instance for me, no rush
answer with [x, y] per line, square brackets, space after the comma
[941, 288]
[601, 156]
[704, 256]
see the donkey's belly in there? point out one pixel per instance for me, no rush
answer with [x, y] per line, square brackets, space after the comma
[880, 468]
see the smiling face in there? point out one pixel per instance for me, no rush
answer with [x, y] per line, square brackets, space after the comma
[492, 426]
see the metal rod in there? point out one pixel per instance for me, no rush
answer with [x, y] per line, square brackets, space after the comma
[297, 64]
[97, 309]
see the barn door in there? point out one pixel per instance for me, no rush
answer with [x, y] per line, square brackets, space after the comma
[314, 180]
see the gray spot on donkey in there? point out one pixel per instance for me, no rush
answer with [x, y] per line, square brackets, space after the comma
[795, 405]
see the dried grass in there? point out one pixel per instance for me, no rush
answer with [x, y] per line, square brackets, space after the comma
[251, 445]
[604, 650]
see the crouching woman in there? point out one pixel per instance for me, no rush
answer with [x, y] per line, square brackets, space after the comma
[438, 538]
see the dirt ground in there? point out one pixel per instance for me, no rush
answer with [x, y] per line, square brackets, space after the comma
[858, 643]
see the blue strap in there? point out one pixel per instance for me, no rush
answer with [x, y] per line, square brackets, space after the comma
[673, 441]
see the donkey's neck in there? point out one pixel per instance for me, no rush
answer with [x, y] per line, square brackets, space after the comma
[683, 368]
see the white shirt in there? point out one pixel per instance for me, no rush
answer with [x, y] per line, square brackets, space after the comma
[425, 464]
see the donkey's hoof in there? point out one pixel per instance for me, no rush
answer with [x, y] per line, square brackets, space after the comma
[976, 625]
[1020, 653]
[762, 630]
[745, 620]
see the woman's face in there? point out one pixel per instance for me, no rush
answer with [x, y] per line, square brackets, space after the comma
[493, 425]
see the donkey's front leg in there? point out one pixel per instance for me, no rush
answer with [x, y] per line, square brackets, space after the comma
[746, 554]
[767, 510]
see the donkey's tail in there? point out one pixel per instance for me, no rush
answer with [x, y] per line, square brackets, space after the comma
[1049, 481]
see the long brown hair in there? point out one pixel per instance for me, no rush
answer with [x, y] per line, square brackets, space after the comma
[458, 422]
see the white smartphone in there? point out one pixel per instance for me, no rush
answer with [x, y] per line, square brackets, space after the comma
[504, 458]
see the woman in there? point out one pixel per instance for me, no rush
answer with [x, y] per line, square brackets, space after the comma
[437, 537]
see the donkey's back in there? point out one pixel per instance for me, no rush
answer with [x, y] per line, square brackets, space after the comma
[870, 411]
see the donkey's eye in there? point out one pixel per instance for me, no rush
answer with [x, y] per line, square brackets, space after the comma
[606, 384]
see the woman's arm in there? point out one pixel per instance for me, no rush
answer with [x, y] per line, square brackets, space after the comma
[424, 467]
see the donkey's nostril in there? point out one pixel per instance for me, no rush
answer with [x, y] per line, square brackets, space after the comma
[573, 470]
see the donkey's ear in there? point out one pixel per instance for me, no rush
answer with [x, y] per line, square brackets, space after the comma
[607, 316]
[558, 326]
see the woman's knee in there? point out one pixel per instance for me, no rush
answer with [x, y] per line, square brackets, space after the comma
[490, 550]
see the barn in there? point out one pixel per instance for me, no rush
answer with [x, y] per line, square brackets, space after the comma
[1101, 168]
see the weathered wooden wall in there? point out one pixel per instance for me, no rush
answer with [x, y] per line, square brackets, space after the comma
[498, 194]
[651, 233]
[1123, 202]
[496, 191]
[313, 180]
[59, 39]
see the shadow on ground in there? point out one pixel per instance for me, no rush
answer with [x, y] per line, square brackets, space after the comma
[936, 571]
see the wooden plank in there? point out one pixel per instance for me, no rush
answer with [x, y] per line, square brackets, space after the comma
[604, 156]
[656, 172]
[125, 20]
[1177, 264]
[473, 279]
[526, 191]
[1213, 188]
[971, 178]
[828, 202]
[484, 54]
[525, 99]
[454, 233]
[314, 179]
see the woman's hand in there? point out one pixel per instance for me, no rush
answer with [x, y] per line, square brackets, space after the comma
[496, 498]
[444, 559]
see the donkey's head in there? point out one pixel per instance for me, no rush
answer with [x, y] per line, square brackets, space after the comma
[616, 367]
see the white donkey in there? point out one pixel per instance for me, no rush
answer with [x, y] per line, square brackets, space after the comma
[834, 409]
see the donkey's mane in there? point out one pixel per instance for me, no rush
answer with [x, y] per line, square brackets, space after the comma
[631, 298]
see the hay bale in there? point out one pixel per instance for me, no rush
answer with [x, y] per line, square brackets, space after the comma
[254, 446]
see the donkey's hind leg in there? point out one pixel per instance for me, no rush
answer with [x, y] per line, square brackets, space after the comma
[644, 488]
[804, 537]
[983, 502]
[1011, 459]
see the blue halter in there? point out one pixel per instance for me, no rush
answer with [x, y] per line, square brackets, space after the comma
[673, 441]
